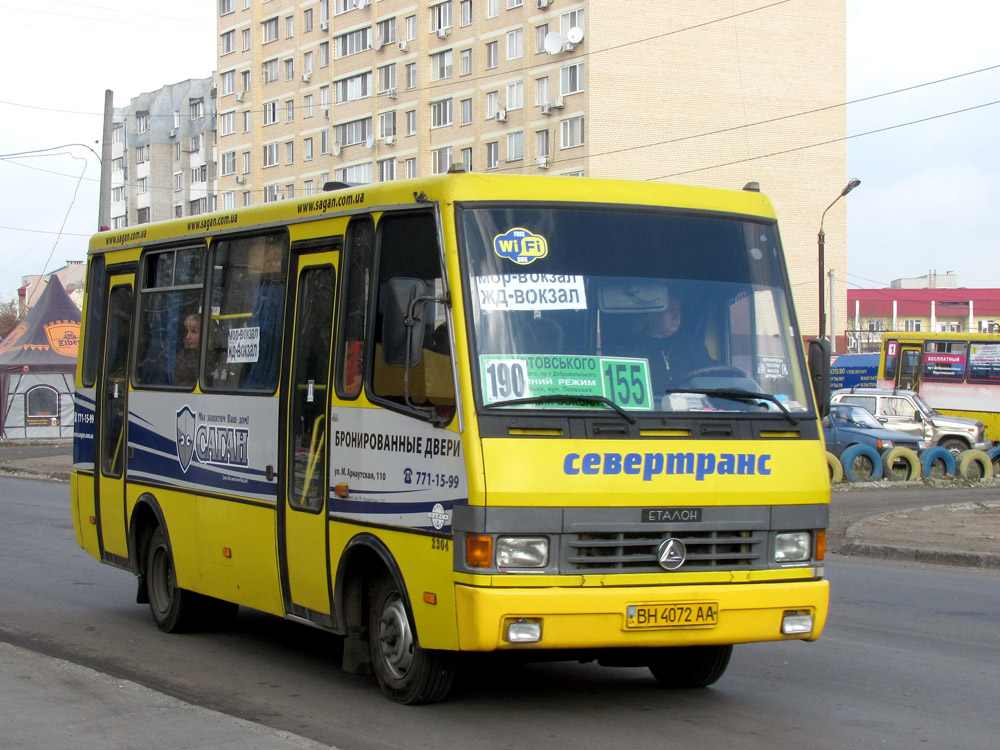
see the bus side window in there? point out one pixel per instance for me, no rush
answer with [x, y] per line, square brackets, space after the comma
[408, 249]
[354, 305]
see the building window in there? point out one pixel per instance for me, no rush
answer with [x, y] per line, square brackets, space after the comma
[387, 77]
[142, 122]
[43, 403]
[492, 55]
[567, 21]
[289, 27]
[290, 152]
[269, 71]
[197, 107]
[246, 162]
[492, 8]
[199, 174]
[351, 133]
[515, 44]
[247, 121]
[514, 4]
[270, 154]
[142, 154]
[178, 181]
[227, 123]
[290, 110]
[440, 114]
[492, 154]
[387, 124]
[307, 105]
[324, 54]
[440, 16]
[358, 173]
[411, 168]
[411, 122]
[307, 63]
[226, 7]
[542, 143]
[308, 187]
[466, 10]
[324, 144]
[271, 113]
[228, 162]
[307, 148]
[542, 91]
[228, 201]
[492, 104]
[227, 82]
[353, 42]
[307, 20]
[515, 146]
[467, 111]
[572, 79]
[386, 31]
[912, 325]
[540, 33]
[245, 81]
[411, 28]
[271, 193]
[289, 68]
[515, 95]
[270, 30]
[118, 195]
[386, 170]
[572, 132]
[441, 65]
[228, 42]
[246, 40]
[353, 88]
[142, 186]
[411, 75]
[440, 160]
[466, 62]
[467, 158]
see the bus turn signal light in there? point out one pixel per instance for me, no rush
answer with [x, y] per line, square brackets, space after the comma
[479, 551]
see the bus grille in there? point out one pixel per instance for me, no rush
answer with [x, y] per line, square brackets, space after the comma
[636, 552]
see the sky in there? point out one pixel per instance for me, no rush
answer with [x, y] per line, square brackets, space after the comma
[929, 171]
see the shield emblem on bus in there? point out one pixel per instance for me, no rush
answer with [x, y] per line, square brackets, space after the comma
[185, 436]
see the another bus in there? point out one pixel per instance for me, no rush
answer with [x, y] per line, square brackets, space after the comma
[956, 373]
[413, 415]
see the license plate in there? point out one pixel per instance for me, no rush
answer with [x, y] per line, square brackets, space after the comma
[676, 615]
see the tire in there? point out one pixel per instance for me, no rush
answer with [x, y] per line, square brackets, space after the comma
[406, 672]
[937, 459]
[690, 666]
[994, 454]
[173, 608]
[900, 455]
[975, 465]
[861, 463]
[955, 447]
[835, 469]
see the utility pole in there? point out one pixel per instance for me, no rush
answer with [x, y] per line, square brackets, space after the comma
[104, 208]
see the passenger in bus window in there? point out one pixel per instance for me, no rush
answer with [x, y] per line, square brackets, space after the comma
[673, 352]
[186, 365]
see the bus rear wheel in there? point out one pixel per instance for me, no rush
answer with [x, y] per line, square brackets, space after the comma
[690, 666]
[173, 608]
[406, 672]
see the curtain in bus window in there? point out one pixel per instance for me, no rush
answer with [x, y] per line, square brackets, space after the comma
[267, 309]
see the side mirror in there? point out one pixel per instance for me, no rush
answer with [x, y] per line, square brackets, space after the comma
[405, 317]
[819, 373]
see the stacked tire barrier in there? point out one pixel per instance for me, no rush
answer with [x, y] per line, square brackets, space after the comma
[862, 463]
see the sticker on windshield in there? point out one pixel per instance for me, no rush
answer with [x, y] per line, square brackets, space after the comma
[621, 380]
[520, 246]
[531, 291]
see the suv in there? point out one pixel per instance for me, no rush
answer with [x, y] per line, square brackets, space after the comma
[906, 411]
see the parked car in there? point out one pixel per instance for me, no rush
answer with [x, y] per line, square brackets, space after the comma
[906, 411]
[848, 425]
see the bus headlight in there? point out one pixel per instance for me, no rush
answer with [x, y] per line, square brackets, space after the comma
[522, 551]
[792, 546]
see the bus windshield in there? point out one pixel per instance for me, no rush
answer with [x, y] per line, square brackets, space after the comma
[648, 309]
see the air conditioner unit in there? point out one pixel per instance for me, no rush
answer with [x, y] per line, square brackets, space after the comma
[501, 115]
[239, 96]
[324, 25]
[542, 162]
[326, 114]
[546, 108]
[403, 46]
[173, 133]
[240, 179]
[389, 140]
[557, 102]
[542, 4]
[306, 78]
[364, 3]
[568, 46]
[391, 93]
[443, 33]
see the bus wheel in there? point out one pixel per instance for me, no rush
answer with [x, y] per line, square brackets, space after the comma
[861, 463]
[975, 465]
[690, 666]
[406, 672]
[172, 607]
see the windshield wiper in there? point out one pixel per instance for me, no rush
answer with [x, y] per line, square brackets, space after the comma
[561, 399]
[738, 394]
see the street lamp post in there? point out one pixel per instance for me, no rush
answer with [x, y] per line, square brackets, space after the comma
[854, 182]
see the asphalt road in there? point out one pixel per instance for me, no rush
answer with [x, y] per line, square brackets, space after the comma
[908, 658]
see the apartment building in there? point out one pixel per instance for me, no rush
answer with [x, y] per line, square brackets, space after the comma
[163, 154]
[712, 92]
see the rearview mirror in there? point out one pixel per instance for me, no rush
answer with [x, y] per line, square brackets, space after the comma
[819, 373]
[406, 315]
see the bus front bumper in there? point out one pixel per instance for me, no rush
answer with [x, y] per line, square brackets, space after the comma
[491, 619]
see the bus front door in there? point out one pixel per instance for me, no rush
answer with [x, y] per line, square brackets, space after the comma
[303, 535]
[112, 443]
[908, 374]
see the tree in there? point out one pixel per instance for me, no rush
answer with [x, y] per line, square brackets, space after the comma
[8, 316]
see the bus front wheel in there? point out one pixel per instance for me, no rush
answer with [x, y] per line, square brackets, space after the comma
[172, 606]
[406, 672]
[690, 666]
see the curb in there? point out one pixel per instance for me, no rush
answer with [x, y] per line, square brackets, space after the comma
[23, 473]
[982, 560]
